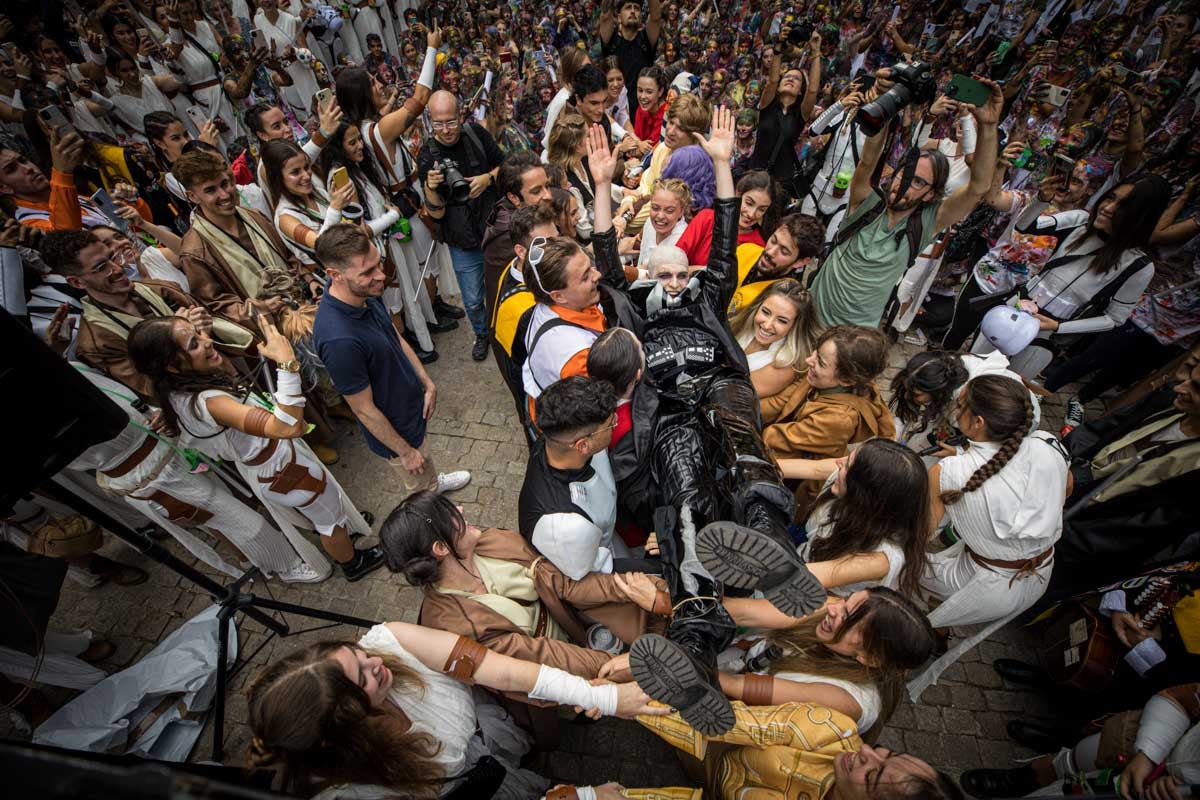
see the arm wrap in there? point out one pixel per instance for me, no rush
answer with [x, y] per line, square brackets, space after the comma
[571, 690]
[256, 421]
[464, 659]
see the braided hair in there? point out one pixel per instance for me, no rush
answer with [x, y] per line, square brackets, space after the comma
[1008, 414]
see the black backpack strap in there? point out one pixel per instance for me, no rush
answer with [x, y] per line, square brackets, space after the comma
[479, 148]
[1103, 297]
[846, 232]
[557, 322]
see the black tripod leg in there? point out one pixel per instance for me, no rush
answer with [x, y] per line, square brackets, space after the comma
[223, 616]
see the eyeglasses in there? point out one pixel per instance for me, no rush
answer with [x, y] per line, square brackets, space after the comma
[920, 182]
[443, 125]
[610, 425]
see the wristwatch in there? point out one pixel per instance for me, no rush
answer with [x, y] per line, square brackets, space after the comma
[289, 366]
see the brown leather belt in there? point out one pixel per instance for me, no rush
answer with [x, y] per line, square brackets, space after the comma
[1025, 566]
[195, 87]
[263, 455]
[135, 458]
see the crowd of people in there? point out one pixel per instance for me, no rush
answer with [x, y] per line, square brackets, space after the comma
[689, 238]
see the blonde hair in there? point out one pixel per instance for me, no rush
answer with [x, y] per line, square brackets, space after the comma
[678, 188]
[690, 113]
[565, 136]
[800, 340]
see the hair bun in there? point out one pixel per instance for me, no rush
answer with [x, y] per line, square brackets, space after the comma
[420, 571]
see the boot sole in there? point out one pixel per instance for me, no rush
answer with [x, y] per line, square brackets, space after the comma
[742, 557]
[666, 673]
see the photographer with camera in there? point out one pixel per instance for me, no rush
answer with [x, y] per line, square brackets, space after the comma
[785, 107]
[459, 174]
[887, 223]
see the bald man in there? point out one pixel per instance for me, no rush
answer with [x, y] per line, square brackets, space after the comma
[462, 215]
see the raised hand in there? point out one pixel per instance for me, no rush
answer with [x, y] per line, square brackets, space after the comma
[434, 38]
[329, 114]
[275, 346]
[602, 161]
[719, 144]
[341, 196]
[1012, 151]
[989, 112]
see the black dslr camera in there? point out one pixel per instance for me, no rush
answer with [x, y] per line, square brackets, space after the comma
[455, 188]
[800, 32]
[915, 83]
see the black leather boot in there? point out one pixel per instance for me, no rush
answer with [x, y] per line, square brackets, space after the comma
[765, 560]
[679, 670]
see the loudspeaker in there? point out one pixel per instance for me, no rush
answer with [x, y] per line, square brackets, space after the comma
[49, 413]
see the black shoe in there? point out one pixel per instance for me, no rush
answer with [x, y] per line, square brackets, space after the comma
[1016, 782]
[751, 559]
[368, 518]
[1039, 738]
[446, 311]
[670, 675]
[363, 564]
[442, 327]
[424, 356]
[1021, 672]
[479, 351]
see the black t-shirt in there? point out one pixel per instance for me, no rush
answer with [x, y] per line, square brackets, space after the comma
[464, 225]
[633, 55]
[778, 128]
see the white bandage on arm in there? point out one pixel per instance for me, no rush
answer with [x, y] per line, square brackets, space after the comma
[1162, 725]
[333, 216]
[571, 690]
[427, 68]
[381, 224]
[288, 392]
[968, 135]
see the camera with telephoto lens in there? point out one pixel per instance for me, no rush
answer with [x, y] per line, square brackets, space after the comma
[914, 84]
[800, 32]
[455, 188]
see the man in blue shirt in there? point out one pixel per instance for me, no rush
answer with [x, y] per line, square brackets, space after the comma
[371, 364]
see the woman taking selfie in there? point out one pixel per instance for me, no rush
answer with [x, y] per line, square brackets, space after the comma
[777, 331]
[199, 398]
[302, 213]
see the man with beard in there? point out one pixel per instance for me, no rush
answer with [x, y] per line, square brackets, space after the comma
[797, 240]
[631, 42]
[372, 365]
[869, 253]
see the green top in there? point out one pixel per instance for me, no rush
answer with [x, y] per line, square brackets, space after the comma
[857, 278]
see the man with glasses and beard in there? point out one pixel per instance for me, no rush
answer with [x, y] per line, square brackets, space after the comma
[462, 225]
[886, 225]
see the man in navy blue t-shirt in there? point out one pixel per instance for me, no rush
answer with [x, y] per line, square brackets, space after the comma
[371, 364]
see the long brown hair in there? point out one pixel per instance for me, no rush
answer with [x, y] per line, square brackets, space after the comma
[1004, 404]
[896, 637]
[309, 718]
[154, 352]
[886, 498]
[861, 356]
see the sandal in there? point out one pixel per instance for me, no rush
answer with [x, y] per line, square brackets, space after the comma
[121, 574]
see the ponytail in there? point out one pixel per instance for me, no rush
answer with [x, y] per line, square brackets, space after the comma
[1006, 409]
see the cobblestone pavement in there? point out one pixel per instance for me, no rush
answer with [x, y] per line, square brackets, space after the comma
[959, 723]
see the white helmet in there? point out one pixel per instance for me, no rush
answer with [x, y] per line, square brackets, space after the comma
[1009, 329]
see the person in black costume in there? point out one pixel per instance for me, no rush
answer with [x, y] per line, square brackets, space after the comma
[707, 459]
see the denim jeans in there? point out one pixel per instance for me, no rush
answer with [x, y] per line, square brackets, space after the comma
[468, 267]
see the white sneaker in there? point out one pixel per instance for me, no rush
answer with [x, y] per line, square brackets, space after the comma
[452, 481]
[302, 573]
